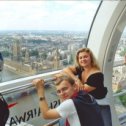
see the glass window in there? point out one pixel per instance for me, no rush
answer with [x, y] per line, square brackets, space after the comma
[41, 36]
[119, 68]
[119, 78]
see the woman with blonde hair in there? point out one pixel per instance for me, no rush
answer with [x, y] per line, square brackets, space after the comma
[88, 77]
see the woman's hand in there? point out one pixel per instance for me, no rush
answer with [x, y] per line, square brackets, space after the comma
[59, 75]
[84, 87]
[80, 85]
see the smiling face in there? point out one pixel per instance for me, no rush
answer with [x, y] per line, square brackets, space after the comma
[84, 59]
[65, 90]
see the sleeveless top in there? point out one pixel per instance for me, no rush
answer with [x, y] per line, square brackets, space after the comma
[96, 80]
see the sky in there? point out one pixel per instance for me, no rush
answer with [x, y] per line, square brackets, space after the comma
[74, 15]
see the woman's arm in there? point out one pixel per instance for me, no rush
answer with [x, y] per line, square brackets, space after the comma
[71, 71]
[88, 88]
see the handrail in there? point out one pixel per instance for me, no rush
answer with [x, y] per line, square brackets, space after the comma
[29, 85]
[52, 123]
[26, 86]
[120, 93]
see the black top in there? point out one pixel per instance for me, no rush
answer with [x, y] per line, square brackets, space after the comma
[4, 111]
[96, 80]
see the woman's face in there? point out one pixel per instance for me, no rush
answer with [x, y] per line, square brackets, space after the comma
[84, 59]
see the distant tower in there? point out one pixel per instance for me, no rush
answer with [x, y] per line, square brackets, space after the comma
[27, 56]
[16, 50]
[56, 60]
[1, 62]
[1, 66]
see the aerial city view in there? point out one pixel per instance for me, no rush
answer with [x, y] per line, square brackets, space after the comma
[33, 52]
[38, 37]
[43, 36]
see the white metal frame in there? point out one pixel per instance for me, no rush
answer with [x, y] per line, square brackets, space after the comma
[104, 38]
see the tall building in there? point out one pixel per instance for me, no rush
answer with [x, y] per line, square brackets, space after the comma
[16, 49]
[1, 62]
[27, 56]
[56, 60]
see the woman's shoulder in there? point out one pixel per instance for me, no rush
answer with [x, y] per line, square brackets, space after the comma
[96, 71]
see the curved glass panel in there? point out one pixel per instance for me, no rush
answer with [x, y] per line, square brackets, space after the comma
[42, 36]
[119, 79]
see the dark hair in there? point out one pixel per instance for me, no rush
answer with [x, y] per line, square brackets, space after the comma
[4, 111]
[64, 78]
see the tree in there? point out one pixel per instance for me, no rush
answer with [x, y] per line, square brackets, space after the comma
[34, 53]
[5, 53]
[122, 53]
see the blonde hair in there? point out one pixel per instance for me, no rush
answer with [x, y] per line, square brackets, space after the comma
[93, 59]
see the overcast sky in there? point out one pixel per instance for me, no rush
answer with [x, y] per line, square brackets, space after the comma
[47, 15]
